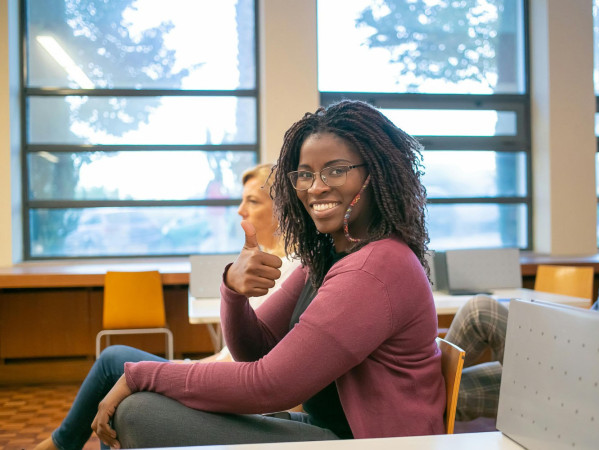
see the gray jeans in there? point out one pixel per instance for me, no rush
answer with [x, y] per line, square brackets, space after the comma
[147, 419]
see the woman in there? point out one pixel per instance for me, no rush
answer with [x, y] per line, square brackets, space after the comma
[351, 334]
[256, 208]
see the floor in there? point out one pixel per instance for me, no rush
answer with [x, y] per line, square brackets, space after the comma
[29, 414]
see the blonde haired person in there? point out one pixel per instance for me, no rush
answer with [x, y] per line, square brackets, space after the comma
[257, 208]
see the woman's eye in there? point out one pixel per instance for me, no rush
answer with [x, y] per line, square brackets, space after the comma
[337, 171]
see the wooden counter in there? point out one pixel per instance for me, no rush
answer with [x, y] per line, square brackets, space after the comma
[51, 311]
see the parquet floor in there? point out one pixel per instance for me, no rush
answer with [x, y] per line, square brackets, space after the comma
[28, 414]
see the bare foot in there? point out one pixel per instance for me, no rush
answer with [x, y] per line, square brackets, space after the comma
[46, 444]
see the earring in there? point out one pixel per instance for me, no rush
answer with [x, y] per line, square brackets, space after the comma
[349, 210]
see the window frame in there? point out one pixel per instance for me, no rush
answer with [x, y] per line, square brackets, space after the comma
[27, 148]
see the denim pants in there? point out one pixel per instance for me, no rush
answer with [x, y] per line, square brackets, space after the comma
[75, 429]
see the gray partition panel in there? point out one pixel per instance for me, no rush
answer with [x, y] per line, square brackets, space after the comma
[483, 269]
[550, 384]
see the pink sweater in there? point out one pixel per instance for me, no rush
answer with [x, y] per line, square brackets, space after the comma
[371, 329]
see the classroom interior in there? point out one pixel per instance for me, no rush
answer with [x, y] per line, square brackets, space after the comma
[50, 311]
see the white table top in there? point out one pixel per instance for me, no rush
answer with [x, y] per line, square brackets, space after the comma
[494, 440]
[449, 304]
[208, 310]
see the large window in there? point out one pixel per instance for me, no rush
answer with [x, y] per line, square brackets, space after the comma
[453, 74]
[140, 116]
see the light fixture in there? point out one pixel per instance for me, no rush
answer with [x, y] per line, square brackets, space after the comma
[66, 62]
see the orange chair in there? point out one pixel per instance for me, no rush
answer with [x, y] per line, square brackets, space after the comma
[576, 281]
[134, 304]
[452, 363]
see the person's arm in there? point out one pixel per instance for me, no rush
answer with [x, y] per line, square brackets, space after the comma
[349, 318]
[250, 334]
[106, 409]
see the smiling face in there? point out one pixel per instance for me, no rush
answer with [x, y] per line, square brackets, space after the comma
[327, 205]
[256, 207]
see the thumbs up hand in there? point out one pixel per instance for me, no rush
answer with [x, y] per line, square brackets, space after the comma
[254, 272]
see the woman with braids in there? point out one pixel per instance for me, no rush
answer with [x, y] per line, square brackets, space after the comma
[350, 334]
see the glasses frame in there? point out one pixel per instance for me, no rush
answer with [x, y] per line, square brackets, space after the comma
[348, 166]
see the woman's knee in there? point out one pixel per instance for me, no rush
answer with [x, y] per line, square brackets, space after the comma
[114, 354]
[481, 303]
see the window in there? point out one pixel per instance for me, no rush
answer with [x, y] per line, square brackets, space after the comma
[139, 120]
[453, 74]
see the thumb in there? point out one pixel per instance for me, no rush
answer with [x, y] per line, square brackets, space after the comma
[251, 241]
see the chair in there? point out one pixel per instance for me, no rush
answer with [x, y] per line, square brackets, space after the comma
[133, 304]
[452, 363]
[576, 281]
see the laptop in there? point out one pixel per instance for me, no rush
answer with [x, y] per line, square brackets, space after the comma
[549, 396]
[205, 279]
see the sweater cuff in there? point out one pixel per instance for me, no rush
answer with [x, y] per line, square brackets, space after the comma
[227, 294]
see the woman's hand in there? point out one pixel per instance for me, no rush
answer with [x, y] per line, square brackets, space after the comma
[254, 272]
[106, 410]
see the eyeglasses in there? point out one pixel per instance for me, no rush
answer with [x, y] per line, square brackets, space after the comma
[333, 176]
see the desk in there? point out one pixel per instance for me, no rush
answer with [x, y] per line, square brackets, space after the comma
[494, 440]
[449, 304]
[207, 311]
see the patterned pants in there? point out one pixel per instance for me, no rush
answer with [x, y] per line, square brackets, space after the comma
[479, 324]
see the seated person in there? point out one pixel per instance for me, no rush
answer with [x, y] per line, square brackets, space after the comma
[350, 334]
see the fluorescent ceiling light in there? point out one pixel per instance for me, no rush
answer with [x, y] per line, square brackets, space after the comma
[62, 57]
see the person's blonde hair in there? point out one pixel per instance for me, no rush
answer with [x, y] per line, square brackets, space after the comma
[262, 173]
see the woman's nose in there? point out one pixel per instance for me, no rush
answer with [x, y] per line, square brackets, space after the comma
[241, 211]
[318, 185]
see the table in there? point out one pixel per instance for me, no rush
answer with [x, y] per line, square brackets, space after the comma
[494, 440]
[207, 311]
[446, 303]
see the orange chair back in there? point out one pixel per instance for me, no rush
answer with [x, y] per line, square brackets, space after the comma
[576, 281]
[133, 300]
[452, 363]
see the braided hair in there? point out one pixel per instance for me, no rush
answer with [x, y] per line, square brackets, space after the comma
[394, 162]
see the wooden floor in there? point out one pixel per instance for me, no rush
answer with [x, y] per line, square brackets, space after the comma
[29, 414]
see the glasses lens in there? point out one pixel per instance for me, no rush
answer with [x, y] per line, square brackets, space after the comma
[301, 180]
[334, 176]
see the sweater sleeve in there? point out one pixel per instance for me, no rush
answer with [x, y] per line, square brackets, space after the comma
[346, 321]
[249, 333]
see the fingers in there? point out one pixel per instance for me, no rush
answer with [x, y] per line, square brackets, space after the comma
[251, 241]
[102, 428]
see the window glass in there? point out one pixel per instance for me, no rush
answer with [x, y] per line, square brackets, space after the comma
[147, 159]
[452, 122]
[135, 231]
[477, 225]
[474, 174]
[141, 175]
[462, 46]
[142, 120]
[141, 44]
